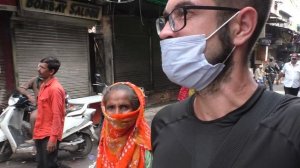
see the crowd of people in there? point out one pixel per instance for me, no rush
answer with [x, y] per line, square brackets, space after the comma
[271, 73]
[224, 118]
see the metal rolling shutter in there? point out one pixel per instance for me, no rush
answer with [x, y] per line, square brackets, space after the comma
[137, 56]
[131, 51]
[35, 40]
[3, 100]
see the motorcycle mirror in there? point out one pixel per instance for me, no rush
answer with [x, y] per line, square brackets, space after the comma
[98, 78]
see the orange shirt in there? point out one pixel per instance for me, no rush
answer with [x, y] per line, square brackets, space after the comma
[51, 111]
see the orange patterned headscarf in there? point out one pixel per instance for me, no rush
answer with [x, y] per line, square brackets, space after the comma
[125, 137]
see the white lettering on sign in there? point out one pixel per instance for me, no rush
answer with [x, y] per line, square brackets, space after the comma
[63, 7]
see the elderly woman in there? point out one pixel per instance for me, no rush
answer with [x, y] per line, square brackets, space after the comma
[125, 138]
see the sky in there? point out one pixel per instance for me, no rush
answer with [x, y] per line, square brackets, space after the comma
[293, 8]
[296, 10]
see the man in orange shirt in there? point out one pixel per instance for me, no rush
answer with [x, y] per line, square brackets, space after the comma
[50, 118]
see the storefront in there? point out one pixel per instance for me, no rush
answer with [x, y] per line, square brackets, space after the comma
[55, 28]
[282, 42]
[7, 7]
[136, 46]
[136, 51]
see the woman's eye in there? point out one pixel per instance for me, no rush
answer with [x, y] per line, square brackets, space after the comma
[124, 107]
[109, 107]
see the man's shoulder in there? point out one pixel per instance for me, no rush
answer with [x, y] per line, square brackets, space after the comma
[56, 86]
[291, 106]
[285, 115]
[173, 113]
[30, 83]
[33, 80]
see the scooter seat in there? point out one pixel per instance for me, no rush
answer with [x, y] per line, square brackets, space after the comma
[81, 112]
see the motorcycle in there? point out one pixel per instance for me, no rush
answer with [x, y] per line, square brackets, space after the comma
[94, 102]
[78, 132]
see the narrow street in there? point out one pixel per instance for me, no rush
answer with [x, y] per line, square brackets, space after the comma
[27, 161]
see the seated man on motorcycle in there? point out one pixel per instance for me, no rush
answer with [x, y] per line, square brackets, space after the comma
[125, 136]
[33, 84]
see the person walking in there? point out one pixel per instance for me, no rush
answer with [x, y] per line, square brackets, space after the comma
[272, 71]
[50, 117]
[291, 74]
[231, 121]
[259, 75]
[125, 137]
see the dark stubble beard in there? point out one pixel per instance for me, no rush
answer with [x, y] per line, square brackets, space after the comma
[224, 75]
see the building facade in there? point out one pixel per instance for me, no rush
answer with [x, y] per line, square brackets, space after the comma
[281, 33]
[117, 40]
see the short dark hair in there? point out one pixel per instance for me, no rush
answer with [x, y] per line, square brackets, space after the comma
[261, 6]
[134, 101]
[53, 63]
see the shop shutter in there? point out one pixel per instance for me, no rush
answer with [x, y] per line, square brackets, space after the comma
[137, 56]
[131, 51]
[35, 40]
[3, 98]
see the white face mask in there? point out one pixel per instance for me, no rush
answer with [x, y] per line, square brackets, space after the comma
[185, 64]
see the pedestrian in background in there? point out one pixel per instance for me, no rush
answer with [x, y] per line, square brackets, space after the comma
[49, 123]
[125, 136]
[272, 69]
[291, 74]
[231, 121]
[185, 93]
[259, 75]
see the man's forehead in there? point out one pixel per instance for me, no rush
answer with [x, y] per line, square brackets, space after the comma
[44, 65]
[172, 4]
[294, 55]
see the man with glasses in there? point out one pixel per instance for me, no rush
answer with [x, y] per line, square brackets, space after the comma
[291, 74]
[230, 121]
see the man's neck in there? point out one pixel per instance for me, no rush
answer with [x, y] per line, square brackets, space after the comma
[231, 95]
[46, 80]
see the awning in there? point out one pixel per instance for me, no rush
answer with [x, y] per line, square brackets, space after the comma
[284, 13]
[8, 5]
[283, 29]
[273, 14]
[275, 20]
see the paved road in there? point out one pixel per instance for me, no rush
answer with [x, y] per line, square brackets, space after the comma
[27, 161]
[279, 89]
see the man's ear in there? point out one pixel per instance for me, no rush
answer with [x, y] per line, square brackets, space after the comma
[52, 72]
[244, 26]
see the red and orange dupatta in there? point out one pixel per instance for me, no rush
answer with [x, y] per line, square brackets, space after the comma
[125, 137]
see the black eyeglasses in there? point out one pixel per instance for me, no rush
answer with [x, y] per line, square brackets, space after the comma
[177, 18]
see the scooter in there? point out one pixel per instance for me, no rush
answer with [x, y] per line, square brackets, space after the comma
[78, 132]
